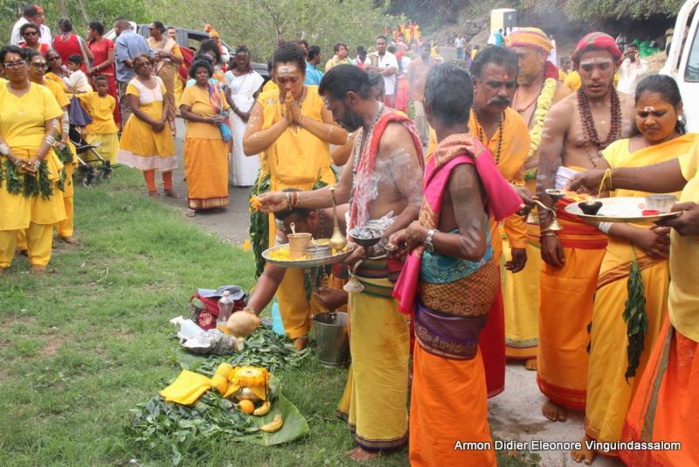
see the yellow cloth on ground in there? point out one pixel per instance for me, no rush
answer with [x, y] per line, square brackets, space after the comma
[684, 257]
[375, 398]
[141, 147]
[608, 393]
[297, 159]
[448, 404]
[101, 109]
[187, 388]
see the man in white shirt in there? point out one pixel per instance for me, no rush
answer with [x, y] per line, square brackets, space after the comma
[31, 14]
[386, 64]
[632, 69]
[460, 43]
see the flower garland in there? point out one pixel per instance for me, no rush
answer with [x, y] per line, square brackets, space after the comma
[543, 105]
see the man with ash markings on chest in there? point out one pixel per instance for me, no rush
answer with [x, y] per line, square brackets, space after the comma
[383, 184]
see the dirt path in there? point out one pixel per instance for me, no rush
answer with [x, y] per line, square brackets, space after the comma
[515, 415]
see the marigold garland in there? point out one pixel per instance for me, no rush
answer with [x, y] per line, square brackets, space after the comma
[543, 105]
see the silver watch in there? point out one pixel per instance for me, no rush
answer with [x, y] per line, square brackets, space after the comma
[429, 246]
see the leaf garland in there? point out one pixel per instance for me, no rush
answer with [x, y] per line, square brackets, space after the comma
[27, 184]
[259, 224]
[543, 105]
[636, 318]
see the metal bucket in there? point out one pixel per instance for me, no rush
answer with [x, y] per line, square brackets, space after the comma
[332, 339]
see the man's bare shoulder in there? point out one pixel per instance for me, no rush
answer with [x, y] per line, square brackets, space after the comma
[562, 112]
[396, 137]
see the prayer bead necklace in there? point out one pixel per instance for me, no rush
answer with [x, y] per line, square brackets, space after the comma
[591, 135]
[483, 138]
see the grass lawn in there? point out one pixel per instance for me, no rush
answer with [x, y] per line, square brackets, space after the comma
[88, 341]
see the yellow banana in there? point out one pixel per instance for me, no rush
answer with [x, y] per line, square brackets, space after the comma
[263, 409]
[274, 425]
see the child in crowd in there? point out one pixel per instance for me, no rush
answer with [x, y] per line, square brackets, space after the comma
[102, 132]
[77, 81]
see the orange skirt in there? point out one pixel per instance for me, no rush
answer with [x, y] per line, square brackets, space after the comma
[449, 412]
[666, 404]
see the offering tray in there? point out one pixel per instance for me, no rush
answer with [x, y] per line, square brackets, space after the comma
[622, 209]
[306, 262]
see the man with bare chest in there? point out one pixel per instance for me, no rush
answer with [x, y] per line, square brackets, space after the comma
[538, 89]
[382, 181]
[575, 131]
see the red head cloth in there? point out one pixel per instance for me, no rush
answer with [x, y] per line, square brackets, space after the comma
[596, 41]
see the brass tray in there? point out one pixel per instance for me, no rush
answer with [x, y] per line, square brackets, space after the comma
[305, 263]
[622, 209]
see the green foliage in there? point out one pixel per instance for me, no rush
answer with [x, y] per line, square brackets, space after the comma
[636, 318]
[263, 23]
[621, 9]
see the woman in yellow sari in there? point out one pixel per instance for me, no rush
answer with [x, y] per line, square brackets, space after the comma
[616, 360]
[205, 151]
[168, 59]
[30, 179]
[294, 129]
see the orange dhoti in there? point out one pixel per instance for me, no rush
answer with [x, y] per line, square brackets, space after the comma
[449, 406]
[666, 404]
[565, 311]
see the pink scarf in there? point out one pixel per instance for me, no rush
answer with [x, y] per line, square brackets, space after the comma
[501, 200]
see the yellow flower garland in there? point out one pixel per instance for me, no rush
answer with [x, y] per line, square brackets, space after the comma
[543, 105]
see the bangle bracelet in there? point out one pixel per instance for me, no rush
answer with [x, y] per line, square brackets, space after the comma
[548, 233]
[50, 140]
[288, 200]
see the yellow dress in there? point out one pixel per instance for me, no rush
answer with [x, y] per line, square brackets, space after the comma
[140, 147]
[297, 159]
[205, 153]
[65, 227]
[102, 132]
[22, 126]
[608, 393]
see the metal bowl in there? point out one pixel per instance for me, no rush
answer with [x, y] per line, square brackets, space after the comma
[318, 251]
[366, 236]
[246, 394]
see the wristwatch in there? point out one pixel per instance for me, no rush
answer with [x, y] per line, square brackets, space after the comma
[429, 246]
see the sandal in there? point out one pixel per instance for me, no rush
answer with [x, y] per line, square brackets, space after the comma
[172, 194]
[190, 213]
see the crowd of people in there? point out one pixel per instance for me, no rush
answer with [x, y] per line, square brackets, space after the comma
[477, 262]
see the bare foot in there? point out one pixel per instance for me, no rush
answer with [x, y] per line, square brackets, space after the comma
[69, 240]
[531, 364]
[172, 194]
[361, 455]
[38, 269]
[583, 454]
[300, 343]
[554, 412]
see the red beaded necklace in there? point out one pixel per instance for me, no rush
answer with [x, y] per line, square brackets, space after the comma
[591, 135]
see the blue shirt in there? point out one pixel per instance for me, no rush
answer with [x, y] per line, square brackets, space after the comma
[313, 75]
[129, 45]
[498, 39]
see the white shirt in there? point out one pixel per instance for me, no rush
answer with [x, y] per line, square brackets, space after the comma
[15, 38]
[459, 42]
[77, 81]
[630, 74]
[387, 61]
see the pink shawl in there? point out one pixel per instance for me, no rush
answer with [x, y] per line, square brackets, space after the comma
[501, 200]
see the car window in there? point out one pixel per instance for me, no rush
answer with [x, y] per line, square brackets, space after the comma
[691, 73]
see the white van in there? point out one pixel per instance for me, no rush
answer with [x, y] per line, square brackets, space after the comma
[683, 61]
